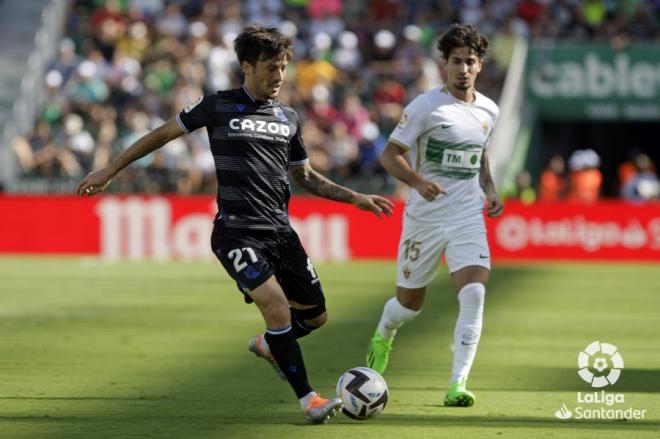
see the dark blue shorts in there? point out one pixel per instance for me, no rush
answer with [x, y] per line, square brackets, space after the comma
[251, 257]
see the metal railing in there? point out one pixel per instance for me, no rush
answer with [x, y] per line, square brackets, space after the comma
[32, 91]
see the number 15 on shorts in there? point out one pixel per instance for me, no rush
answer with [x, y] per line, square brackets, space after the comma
[411, 252]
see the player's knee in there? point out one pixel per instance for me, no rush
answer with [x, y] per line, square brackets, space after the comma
[317, 322]
[412, 299]
[473, 294]
[412, 304]
[311, 318]
[276, 314]
[399, 312]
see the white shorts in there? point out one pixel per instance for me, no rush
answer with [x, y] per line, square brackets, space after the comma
[421, 248]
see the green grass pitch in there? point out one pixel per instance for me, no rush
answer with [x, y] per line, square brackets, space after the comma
[91, 349]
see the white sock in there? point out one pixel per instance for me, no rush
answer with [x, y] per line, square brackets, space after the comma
[304, 401]
[394, 316]
[468, 329]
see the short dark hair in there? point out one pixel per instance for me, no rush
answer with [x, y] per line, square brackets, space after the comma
[257, 42]
[463, 35]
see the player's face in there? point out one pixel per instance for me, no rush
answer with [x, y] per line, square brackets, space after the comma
[265, 78]
[463, 66]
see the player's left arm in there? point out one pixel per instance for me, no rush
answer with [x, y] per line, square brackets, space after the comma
[310, 180]
[494, 205]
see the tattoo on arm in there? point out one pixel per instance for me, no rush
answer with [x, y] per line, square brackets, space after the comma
[315, 183]
[485, 178]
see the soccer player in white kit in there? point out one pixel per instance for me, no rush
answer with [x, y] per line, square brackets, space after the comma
[439, 150]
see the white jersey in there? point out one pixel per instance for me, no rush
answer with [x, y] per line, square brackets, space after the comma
[446, 138]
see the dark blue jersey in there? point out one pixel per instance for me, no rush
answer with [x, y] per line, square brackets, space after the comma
[253, 144]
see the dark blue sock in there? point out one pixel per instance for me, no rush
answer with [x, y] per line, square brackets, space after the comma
[286, 351]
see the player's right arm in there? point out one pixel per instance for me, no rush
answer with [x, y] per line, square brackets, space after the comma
[395, 162]
[413, 123]
[97, 181]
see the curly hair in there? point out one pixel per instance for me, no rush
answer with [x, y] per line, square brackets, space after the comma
[257, 43]
[463, 35]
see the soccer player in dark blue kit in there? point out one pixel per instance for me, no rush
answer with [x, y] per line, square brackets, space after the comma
[256, 143]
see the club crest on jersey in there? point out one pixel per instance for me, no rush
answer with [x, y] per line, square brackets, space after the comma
[193, 105]
[280, 114]
[403, 121]
[485, 126]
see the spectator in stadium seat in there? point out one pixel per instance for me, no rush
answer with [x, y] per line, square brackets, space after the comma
[385, 13]
[86, 86]
[67, 61]
[627, 170]
[553, 182]
[36, 154]
[644, 185]
[343, 149]
[523, 189]
[79, 142]
[353, 114]
[313, 71]
[531, 10]
[585, 179]
[593, 14]
[172, 23]
[320, 8]
[371, 145]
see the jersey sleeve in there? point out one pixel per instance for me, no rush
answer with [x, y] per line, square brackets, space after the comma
[495, 116]
[413, 123]
[196, 115]
[297, 154]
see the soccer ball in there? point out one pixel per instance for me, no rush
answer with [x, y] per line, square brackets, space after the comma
[363, 392]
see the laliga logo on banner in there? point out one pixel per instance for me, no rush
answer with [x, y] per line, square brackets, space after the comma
[600, 364]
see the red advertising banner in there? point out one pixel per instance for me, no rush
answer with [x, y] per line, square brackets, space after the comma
[154, 227]
[609, 230]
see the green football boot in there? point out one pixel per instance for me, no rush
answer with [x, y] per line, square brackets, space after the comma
[379, 352]
[459, 396]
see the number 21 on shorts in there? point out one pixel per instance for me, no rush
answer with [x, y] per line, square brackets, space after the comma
[236, 255]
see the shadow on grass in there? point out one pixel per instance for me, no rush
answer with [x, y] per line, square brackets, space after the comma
[83, 398]
[442, 419]
[558, 379]
[566, 379]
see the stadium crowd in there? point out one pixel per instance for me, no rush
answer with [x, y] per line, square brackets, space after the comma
[125, 66]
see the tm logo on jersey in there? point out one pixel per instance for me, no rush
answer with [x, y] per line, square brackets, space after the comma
[260, 126]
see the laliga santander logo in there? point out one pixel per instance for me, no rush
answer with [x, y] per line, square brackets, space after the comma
[600, 364]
